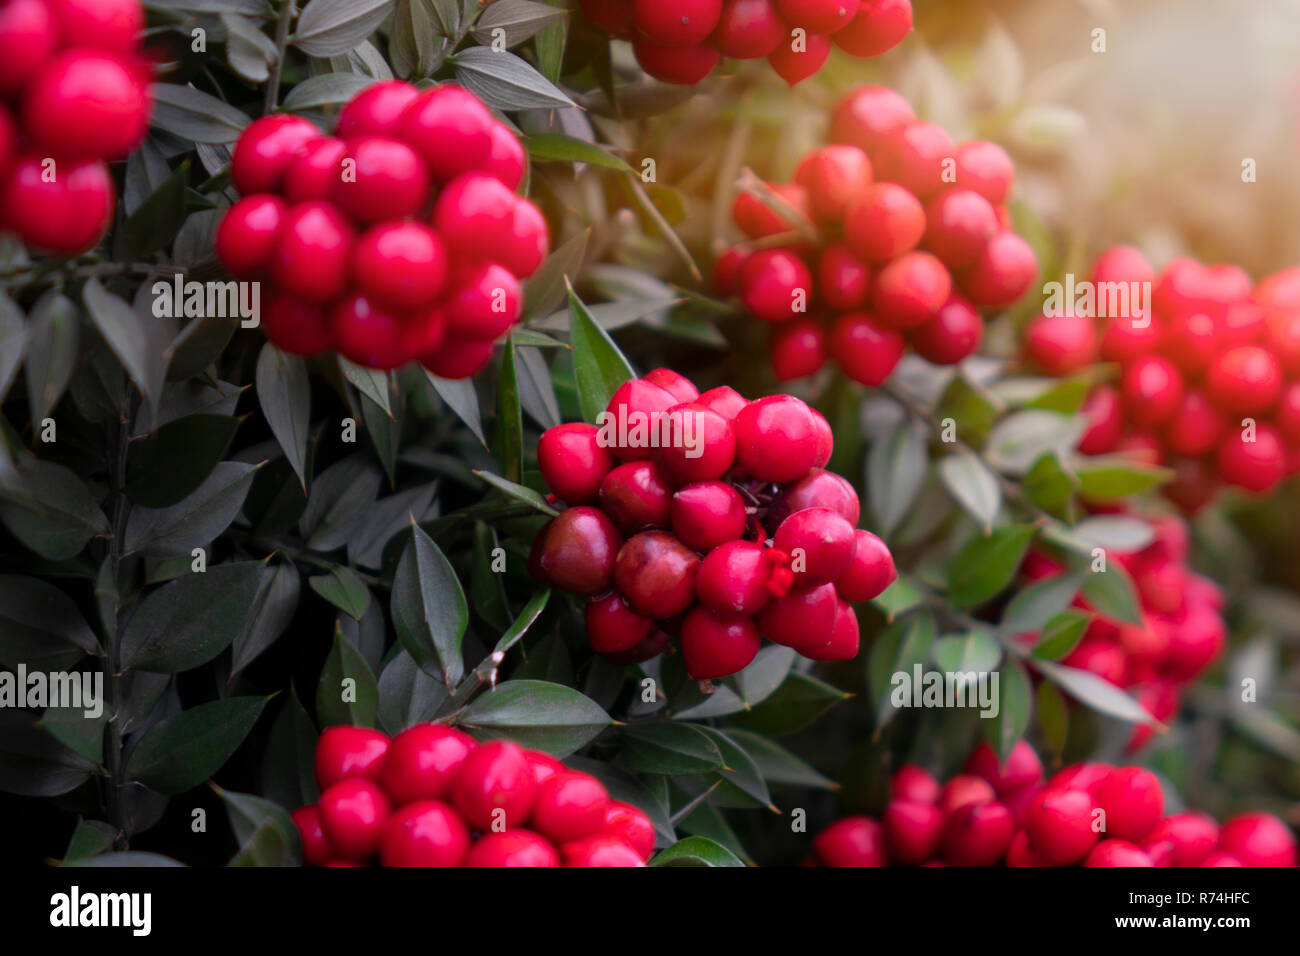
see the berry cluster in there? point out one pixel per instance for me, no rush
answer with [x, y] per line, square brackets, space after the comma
[401, 237]
[740, 536]
[1182, 631]
[681, 41]
[1089, 813]
[891, 235]
[1209, 380]
[74, 94]
[432, 796]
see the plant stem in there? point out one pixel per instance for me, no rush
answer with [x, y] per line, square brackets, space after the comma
[112, 655]
[281, 48]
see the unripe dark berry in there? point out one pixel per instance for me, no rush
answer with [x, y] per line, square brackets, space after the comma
[655, 574]
[495, 785]
[580, 549]
[572, 462]
[422, 761]
[635, 497]
[707, 514]
[715, 646]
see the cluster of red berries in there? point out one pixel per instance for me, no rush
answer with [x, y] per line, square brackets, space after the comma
[74, 94]
[912, 237]
[681, 41]
[1182, 631]
[399, 238]
[432, 796]
[739, 535]
[1089, 813]
[1209, 370]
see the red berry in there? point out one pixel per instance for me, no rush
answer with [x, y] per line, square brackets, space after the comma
[631, 825]
[1286, 417]
[422, 761]
[749, 29]
[915, 157]
[400, 265]
[1127, 339]
[885, 222]
[112, 25]
[81, 104]
[726, 271]
[353, 816]
[483, 301]
[512, 848]
[732, 579]
[344, 753]
[836, 177]
[1191, 340]
[1191, 836]
[313, 252]
[959, 224]
[314, 171]
[878, 28]
[775, 285]
[457, 357]
[1121, 264]
[912, 831]
[295, 327]
[639, 404]
[818, 16]
[986, 168]
[965, 790]
[376, 111]
[635, 497]
[951, 336]
[977, 834]
[570, 806]
[724, 400]
[367, 334]
[66, 214]
[1117, 853]
[679, 23]
[1080, 776]
[1221, 859]
[803, 618]
[473, 213]
[655, 574]
[450, 128]
[714, 646]
[544, 765]
[523, 247]
[853, 841]
[757, 219]
[702, 446]
[316, 850]
[1245, 380]
[1258, 839]
[28, 35]
[795, 61]
[817, 489]
[1021, 768]
[580, 549]
[612, 16]
[1063, 344]
[508, 159]
[384, 179]
[842, 279]
[1195, 428]
[707, 514]
[914, 785]
[845, 638]
[1060, 824]
[1152, 390]
[678, 385]
[650, 646]
[602, 850]
[425, 833]
[572, 462]
[612, 626]
[776, 438]
[265, 150]
[1022, 852]
[1003, 272]
[866, 350]
[869, 116]
[1255, 462]
[682, 65]
[1194, 642]
[1133, 801]
[496, 787]
[820, 543]
[245, 238]
[910, 290]
[797, 349]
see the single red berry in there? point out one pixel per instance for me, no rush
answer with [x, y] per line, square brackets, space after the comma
[845, 638]
[316, 850]
[820, 543]
[507, 160]
[1191, 836]
[886, 221]
[1281, 290]
[612, 626]
[523, 247]
[655, 574]
[1218, 858]
[1063, 344]
[1191, 340]
[679, 23]
[1105, 658]
[775, 285]
[1022, 852]
[835, 176]
[1133, 801]
[473, 213]
[569, 806]
[400, 265]
[65, 214]
[878, 28]
[512, 848]
[843, 280]
[29, 33]
[457, 357]
[977, 834]
[425, 833]
[422, 761]
[450, 128]
[1121, 264]
[702, 445]
[916, 157]
[869, 116]
[715, 646]
[1125, 340]
[265, 150]
[959, 224]
[632, 826]
[544, 765]
[964, 790]
[853, 841]
[376, 111]
[1245, 380]
[1060, 824]
[724, 400]
[1152, 390]
[912, 831]
[952, 335]
[1195, 428]
[367, 334]
[795, 61]
[706, 514]
[797, 349]
[1117, 853]
[353, 816]
[343, 753]
[612, 16]
[573, 462]
[732, 579]
[1003, 272]
[818, 16]
[776, 438]
[85, 105]
[866, 350]
[112, 25]
[600, 850]
[1105, 421]
[313, 252]
[314, 170]
[1194, 642]
[635, 497]
[817, 489]
[1252, 457]
[914, 785]
[726, 271]
[580, 549]
[675, 383]
[1080, 776]
[483, 301]
[1258, 839]
[749, 29]
[682, 65]
[245, 238]
[986, 168]
[803, 618]
[296, 327]
[1021, 768]
[636, 405]
[495, 788]
[910, 290]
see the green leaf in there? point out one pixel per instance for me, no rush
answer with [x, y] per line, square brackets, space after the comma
[1053, 717]
[977, 652]
[518, 492]
[1060, 635]
[739, 768]
[518, 19]
[1095, 692]
[487, 590]
[370, 382]
[89, 838]
[195, 116]
[285, 396]
[51, 510]
[1112, 593]
[548, 286]
[150, 227]
[550, 44]
[1014, 703]
[625, 788]
[972, 486]
[1050, 485]
[1116, 532]
[764, 675]
[1020, 439]
[53, 340]
[1113, 479]
[264, 831]
[537, 714]
[505, 82]
[171, 463]
[428, 608]
[183, 751]
[348, 693]
[509, 436]
[778, 765]
[13, 340]
[661, 747]
[342, 588]
[340, 499]
[696, 851]
[33, 763]
[327, 89]
[191, 620]
[986, 565]
[288, 761]
[271, 612]
[1031, 608]
[903, 645]
[552, 148]
[127, 858]
[795, 705]
[407, 695]
[385, 433]
[461, 399]
[197, 519]
[901, 596]
[526, 619]
[598, 365]
[74, 729]
[896, 469]
[330, 27]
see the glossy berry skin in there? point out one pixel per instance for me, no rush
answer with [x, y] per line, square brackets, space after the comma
[400, 265]
[818, 489]
[846, 638]
[631, 825]
[569, 806]
[912, 831]
[314, 170]
[707, 514]
[458, 357]
[376, 111]
[1003, 272]
[512, 848]
[65, 216]
[1255, 465]
[637, 400]
[1195, 428]
[316, 850]
[573, 462]
[977, 834]
[367, 334]
[913, 784]
[963, 790]
[835, 177]
[867, 350]
[1258, 839]
[110, 25]
[732, 579]
[87, 105]
[1152, 389]
[869, 116]
[749, 29]
[265, 150]
[776, 439]
[771, 284]
[422, 761]
[600, 850]
[353, 815]
[959, 224]
[843, 280]
[714, 646]
[800, 618]
[1105, 421]
[1117, 853]
[1245, 380]
[245, 237]
[797, 349]
[483, 301]
[680, 23]
[580, 549]
[878, 28]
[1060, 825]
[652, 645]
[679, 386]
[495, 788]
[524, 246]
[344, 753]
[795, 63]
[313, 252]
[853, 841]
[703, 445]
[952, 335]
[821, 544]
[28, 34]
[1133, 801]
[910, 290]
[295, 327]
[634, 495]
[1191, 838]
[612, 626]
[986, 168]
[507, 160]
[450, 128]
[655, 574]
[724, 400]
[425, 833]
[757, 220]
[871, 570]
[1022, 768]
[818, 16]
[886, 221]
[1063, 344]
[682, 65]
